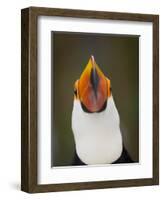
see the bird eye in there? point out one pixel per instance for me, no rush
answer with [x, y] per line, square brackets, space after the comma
[75, 92]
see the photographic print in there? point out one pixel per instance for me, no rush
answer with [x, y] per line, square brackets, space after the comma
[89, 99]
[95, 88]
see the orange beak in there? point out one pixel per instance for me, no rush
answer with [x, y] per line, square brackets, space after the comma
[93, 87]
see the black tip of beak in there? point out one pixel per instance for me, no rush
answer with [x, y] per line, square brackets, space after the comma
[94, 78]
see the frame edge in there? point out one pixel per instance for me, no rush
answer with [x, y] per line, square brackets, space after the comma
[28, 101]
[156, 100]
[24, 99]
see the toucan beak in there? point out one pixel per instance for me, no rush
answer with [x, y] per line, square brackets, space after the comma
[93, 87]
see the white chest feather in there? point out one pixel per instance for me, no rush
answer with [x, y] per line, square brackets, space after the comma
[97, 135]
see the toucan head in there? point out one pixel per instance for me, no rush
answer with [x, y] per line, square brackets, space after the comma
[93, 88]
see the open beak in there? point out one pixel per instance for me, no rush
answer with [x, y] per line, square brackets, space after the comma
[93, 87]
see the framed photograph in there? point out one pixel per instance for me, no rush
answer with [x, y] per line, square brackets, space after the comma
[90, 99]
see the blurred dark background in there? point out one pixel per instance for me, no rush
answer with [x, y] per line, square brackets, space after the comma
[118, 58]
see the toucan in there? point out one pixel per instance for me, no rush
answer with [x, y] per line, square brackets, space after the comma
[95, 120]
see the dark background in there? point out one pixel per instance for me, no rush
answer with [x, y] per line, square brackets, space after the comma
[118, 58]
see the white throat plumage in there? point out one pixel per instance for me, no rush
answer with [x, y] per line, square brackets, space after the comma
[97, 136]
